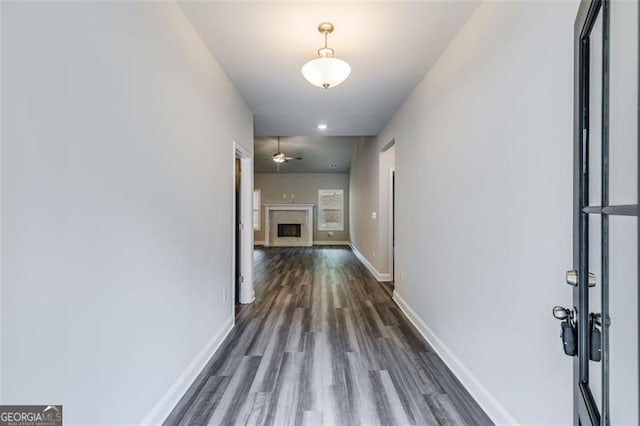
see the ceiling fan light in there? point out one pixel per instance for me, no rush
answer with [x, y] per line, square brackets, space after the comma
[326, 72]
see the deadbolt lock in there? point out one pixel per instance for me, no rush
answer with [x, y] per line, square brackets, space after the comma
[572, 278]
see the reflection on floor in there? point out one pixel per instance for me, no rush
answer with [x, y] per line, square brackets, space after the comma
[324, 344]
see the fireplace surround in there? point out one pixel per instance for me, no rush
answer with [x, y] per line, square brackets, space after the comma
[298, 225]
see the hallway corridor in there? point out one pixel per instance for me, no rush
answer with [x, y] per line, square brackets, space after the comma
[324, 344]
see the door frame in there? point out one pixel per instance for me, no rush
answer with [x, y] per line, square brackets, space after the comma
[585, 408]
[385, 210]
[247, 294]
[584, 404]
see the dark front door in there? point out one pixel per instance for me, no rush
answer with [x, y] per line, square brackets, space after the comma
[600, 328]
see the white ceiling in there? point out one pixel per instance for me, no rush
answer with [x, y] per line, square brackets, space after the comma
[389, 44]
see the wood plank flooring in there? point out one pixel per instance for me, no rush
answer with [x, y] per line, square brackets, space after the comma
[323, 344]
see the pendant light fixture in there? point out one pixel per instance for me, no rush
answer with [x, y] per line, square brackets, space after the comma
[326, 71]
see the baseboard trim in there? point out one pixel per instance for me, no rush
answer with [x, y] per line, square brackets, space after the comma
[498, 414]
[315, 243]
[378, 276]
[168, 402]
[331, 243]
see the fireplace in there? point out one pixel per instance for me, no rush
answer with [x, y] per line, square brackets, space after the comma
[289, 230]
[288, 225]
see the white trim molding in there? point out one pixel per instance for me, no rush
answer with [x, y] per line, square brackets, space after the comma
[315, 243]
[378, 275]
[498, 414]
[331, 243]
[247, 293]
[168, 402]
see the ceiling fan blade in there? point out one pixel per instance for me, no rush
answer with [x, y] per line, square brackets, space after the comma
[279, 157]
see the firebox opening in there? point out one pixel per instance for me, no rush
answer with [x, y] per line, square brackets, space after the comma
[289, 230]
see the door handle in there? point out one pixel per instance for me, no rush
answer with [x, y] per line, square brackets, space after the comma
[572, 278]
[568, 334]
[561, 313]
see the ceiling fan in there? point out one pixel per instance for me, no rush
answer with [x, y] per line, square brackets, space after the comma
[279, 157]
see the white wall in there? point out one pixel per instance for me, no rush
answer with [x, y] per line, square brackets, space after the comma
[483, 215]
[372, 159]
[364, 197]
[116, 159]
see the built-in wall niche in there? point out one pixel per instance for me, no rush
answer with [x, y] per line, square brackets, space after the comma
[289, 230]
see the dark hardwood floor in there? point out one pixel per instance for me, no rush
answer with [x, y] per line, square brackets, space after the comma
[324, 344]
[388, 286]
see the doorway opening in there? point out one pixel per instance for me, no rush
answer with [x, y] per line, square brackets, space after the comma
[242, 246]
[392, 224]
[387, 215]
[238, 232]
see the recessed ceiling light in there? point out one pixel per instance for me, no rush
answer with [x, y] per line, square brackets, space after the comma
[322, 126]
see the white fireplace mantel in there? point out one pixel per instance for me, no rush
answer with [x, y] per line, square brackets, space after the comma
[268, 208]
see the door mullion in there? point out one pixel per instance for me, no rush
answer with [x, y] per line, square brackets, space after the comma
[583, 267]
[619, 210]
[604, 223]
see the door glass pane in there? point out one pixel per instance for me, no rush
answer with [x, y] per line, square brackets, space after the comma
[595, 112]
[595, 184]
[623, 101]
[623, 333]
[595, 298]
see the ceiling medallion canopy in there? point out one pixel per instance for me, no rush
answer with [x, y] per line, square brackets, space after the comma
[326, 71]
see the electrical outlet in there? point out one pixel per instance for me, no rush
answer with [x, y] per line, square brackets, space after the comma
[330, 234]
[225, 295]
[374, 215]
